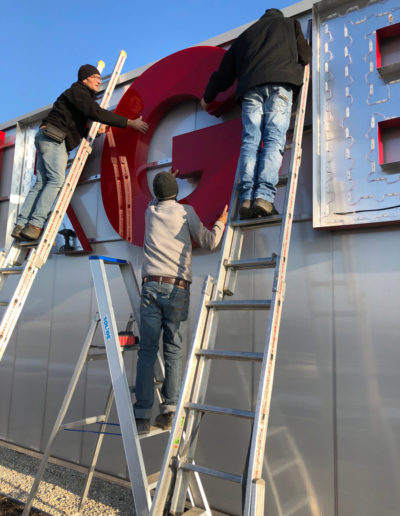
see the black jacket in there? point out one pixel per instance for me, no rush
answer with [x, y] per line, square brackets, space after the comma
[72, 110]
[270, 51]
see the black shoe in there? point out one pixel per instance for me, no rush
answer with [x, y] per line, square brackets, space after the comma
[143, 426]
[245, 210]
[164, 421]
[16, 232]
[262, 208]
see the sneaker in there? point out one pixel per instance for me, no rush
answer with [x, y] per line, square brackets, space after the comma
[143, 426]
[16, 232]
[164, 421]
[262, 208]
[31, 232]
[245, 210]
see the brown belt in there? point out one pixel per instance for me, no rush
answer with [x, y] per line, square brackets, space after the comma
[165, 279]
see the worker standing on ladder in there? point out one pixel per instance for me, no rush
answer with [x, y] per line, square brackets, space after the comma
[59, 133]
[266, 60]
[167, 274]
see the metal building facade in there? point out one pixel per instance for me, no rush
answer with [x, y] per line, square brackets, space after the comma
[334, 441]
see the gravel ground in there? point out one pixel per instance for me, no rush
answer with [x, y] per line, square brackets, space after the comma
[59, 492]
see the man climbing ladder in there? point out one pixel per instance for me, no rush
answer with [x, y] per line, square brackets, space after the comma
[59, 132]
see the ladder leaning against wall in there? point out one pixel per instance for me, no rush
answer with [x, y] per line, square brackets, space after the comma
[179, 461]
[12, 260]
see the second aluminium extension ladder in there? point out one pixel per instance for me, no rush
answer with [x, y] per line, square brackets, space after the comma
[178, 465]
[10, 262]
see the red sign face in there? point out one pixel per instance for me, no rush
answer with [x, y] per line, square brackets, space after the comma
[210, 153]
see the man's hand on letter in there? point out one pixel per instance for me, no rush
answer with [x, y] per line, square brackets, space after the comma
[204, 104]
[139, 124]
[224, 215]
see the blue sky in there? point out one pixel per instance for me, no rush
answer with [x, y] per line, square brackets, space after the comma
[44, 42]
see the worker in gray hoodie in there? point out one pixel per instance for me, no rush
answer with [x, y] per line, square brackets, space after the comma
[170, 228]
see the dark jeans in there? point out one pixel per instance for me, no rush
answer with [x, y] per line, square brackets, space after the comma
[163, 307]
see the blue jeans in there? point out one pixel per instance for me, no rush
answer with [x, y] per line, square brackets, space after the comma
[163, 307]
[52, 158]
[266, 111]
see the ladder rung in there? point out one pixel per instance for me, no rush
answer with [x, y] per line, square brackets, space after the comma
[230, 355]
[272, 220]
[4, 303]
[283, 180]
[283, 465]
[212, 472]
[12, 270]
[255, 263]
[83, 422]
[222, 411]
[288, 146]
[257, 304]
[28, 243]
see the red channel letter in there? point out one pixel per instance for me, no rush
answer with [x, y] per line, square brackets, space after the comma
[210, 153]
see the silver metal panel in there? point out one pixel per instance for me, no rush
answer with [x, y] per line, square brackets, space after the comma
[366, 323]
[34, 336]
[71, 319]
[350, 99]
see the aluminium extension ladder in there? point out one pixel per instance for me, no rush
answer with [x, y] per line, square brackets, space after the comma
[140, 483]
[10, 262]
[178, 465]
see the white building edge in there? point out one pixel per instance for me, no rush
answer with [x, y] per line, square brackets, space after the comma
[334, 438]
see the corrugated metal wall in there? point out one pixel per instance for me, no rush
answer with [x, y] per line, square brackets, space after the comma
[334, 440]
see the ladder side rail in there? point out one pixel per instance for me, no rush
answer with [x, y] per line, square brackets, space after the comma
[260, 428]
[63, 410]
[231, 243]
[188, 444]
[133, 453]
[96, 452]
[176, 436]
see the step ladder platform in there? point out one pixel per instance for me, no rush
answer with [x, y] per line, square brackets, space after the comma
[230, 355]
[222, 411]
[271, 220]
[250, 304]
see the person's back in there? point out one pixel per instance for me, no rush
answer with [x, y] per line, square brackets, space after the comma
[267, 52]
[267, 60]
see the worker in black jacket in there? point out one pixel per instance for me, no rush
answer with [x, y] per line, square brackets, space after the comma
[59, 133]
[267, 60]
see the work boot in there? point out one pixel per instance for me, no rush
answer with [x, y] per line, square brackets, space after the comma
[16, 232]
[143, 426]
[164, 421]
[245, 210]
[262, 208]
[31, 232]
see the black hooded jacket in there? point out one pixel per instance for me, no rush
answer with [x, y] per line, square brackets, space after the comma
[74, 108]
[272, 50]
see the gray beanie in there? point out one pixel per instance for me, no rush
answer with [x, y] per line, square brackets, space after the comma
[165, 186]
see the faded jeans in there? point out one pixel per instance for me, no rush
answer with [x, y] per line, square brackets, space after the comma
[52, 158]
[163, 307]
[266, 111]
